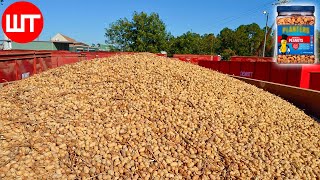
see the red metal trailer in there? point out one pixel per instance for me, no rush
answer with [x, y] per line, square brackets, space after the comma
[304, 76]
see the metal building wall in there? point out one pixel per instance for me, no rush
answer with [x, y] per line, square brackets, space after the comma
[36, 45]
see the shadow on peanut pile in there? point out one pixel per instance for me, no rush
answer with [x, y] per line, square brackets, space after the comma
[142, 116]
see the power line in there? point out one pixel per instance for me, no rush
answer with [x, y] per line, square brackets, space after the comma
[222, 22]
[244, 13]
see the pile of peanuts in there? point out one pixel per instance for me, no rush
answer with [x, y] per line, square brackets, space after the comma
[147, 117]
[296, 20]
[296, 59]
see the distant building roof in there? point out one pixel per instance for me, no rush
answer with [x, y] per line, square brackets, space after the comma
[63, 38]
[69, 38]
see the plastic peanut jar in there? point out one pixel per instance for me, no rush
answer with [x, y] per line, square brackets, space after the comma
[296, 35]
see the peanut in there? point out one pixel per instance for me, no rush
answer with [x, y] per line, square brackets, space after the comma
[296, 20]
[147, 117]
[296, 59]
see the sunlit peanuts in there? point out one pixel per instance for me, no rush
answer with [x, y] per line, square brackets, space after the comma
[147, 117]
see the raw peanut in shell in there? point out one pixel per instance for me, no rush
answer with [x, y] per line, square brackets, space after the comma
[147, 117]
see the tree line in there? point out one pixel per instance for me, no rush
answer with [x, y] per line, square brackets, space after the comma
[147, 33]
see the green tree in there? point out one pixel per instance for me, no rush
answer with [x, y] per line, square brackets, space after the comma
[119, 35]
[248, 38]
[227, 53]
[269, 44]
[193, 43]
[210, 44]
[187, 43]
[144, 33]
[226, 38]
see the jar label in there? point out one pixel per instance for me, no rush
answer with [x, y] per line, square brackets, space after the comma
[295, 39]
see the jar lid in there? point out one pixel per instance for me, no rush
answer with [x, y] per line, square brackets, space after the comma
[296, 9]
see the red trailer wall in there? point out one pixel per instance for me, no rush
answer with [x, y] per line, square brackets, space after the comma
[262, 71]
[7, 71]
[247, 69]
[235, 68]
[278, 74]
[224, 67]
[305, 74]
[315, 81]
[25, 68]
[294, 76]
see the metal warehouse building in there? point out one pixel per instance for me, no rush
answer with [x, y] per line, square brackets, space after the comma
[58, 42]
[36, 45]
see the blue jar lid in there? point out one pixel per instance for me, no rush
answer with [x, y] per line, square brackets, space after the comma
[296, 9]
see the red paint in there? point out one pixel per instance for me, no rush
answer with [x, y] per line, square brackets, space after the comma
[224, 67]
[315, 81]
[262, 71]
[24, 67]
[49, 63]
[278, 74]
[235, 68]
[194, 60]
[214, 65]
[205, 64]
[38, 66]
[294, 75]
[305, 74]
[7, 71]
[265, 69]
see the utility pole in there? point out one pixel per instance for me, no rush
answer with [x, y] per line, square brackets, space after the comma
[265, 34]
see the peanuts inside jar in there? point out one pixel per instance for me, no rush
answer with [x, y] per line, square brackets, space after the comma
[296, 59]
[296, 20]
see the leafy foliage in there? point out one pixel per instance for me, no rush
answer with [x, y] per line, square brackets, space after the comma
[187, 43]
[227, 39]
[144, 33]
[248, 38]
[193, 43]
[148, 33]
[227, 53]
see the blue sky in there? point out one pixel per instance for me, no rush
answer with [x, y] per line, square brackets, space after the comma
[86, 20]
